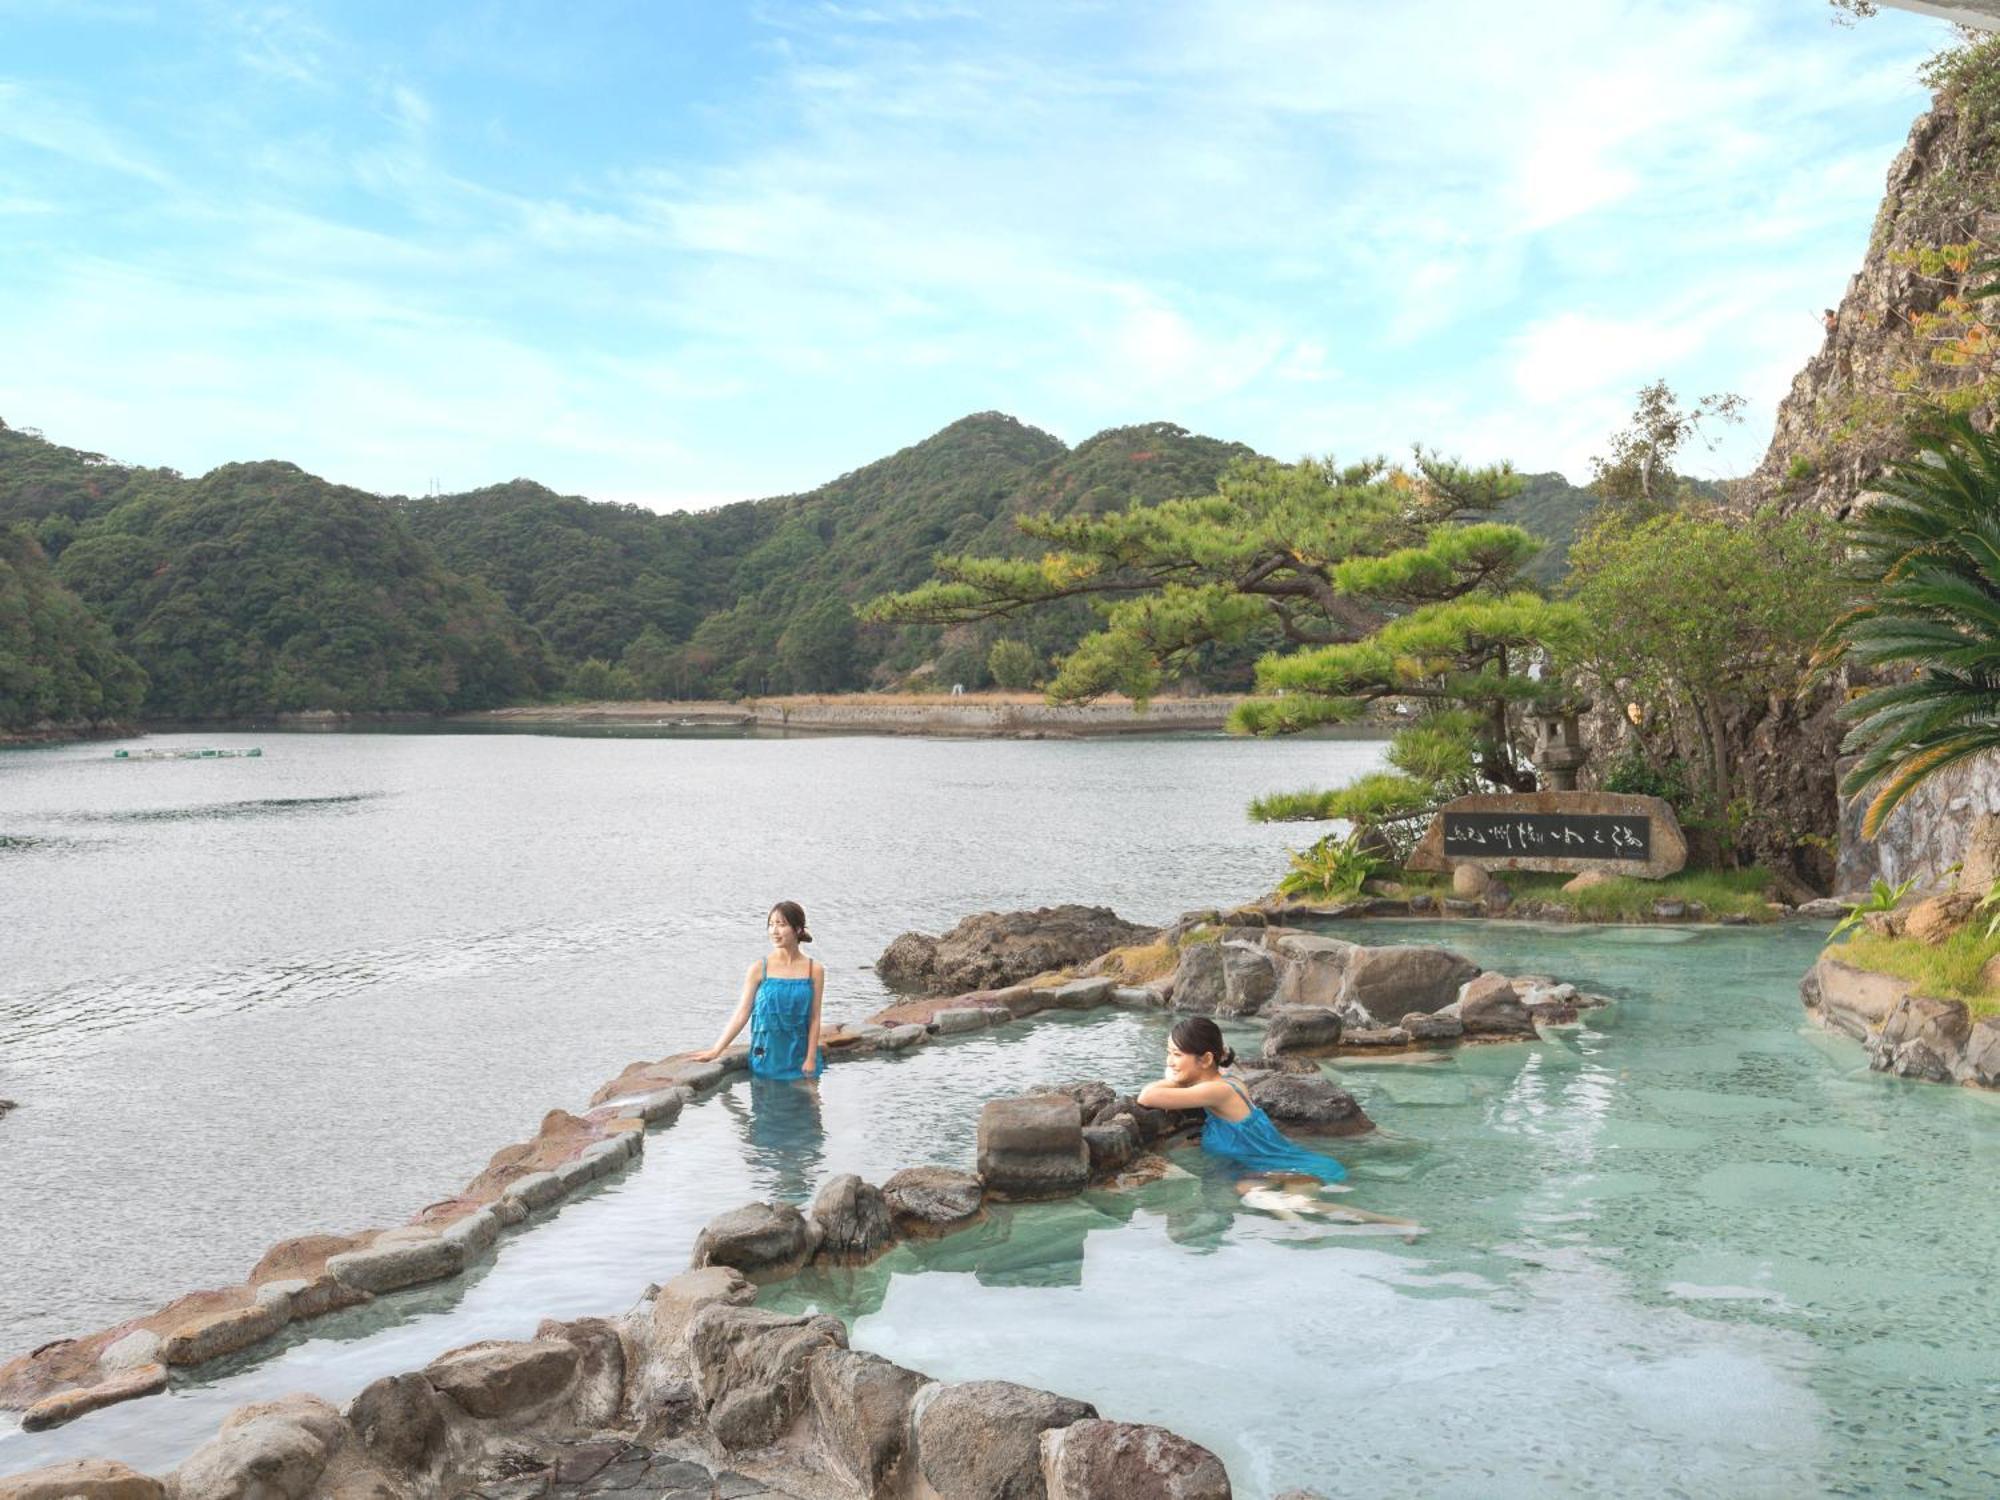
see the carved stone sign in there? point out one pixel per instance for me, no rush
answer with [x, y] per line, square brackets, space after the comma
[1566, 832]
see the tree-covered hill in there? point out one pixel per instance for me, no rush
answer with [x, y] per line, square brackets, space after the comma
[58, 664]
[261, 588]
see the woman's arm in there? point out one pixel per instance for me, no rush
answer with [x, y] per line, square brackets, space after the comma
[738, 1018]
[1163, 1095]
[812, 1027]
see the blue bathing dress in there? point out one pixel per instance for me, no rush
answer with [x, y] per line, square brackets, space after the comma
[1253, 1142]
[780, 1018]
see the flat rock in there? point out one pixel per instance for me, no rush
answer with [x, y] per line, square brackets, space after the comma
[1300, 1029]
[899, 1037]
[67, 1406]
[385, 1268]
[216, 1334]
[956, 1020]
[933, 1200]
[1437, 1027]
[1082, 994]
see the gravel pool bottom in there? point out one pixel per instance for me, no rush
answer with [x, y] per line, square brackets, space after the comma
[1691, 1248]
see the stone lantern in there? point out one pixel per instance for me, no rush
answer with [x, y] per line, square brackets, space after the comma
[1559, 751]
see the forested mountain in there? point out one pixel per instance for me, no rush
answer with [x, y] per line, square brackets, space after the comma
[58, 664]
[259, 588]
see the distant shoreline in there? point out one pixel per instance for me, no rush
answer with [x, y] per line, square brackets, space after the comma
[970, 715]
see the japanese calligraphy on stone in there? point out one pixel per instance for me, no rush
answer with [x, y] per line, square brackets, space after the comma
[1472, 835]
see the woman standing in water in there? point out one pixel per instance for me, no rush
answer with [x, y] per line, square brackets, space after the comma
[781, 1003]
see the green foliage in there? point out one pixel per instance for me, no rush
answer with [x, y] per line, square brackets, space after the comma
[1928, 555]
[595, 681]
[1635, 479]
[1334, 868]
[1631, 772]
[1694, 615]
[57, 662]
[1881, 897]
[1013, 665]
[1742, 893]
[816, 651]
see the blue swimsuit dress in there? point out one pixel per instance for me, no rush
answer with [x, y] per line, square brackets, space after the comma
[780, 1020]
[1256, 1144]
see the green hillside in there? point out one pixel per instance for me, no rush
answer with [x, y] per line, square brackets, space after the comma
[58, 664]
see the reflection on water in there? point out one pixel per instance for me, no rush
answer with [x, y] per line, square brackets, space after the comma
[782, 1128]
[256, 807]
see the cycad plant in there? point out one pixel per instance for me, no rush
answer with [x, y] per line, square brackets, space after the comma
[1929, 554]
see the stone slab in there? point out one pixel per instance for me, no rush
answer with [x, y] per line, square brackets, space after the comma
[1668, 845]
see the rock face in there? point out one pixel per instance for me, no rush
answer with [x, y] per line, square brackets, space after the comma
[1093, 1459]
[1300, 1029]
[1312, 970]
[863, 1405]
[984, 1437]
[1227, 978]
[1032, 1147]
[751, 1368]
[1907, 1034]
[1489, 1006]
[993, 949]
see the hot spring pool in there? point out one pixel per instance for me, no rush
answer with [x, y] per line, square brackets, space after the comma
[1691, 1248]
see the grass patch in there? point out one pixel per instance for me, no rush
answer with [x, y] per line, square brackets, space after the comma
[1724, 893]
[1949, 970]
[1143, 961]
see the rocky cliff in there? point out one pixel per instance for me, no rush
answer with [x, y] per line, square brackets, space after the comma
[1903, 342]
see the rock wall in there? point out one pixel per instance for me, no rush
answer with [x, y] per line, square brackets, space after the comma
[1925, 836]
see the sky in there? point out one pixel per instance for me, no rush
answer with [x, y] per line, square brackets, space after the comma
[682, 252]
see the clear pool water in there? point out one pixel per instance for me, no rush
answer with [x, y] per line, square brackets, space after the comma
[1692, 1248]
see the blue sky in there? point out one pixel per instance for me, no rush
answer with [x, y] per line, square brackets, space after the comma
[689, 251]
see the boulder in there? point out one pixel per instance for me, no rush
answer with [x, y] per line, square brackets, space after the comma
[908, 962]
[1300, 1029]
[83, 1479]
[1110, 1145]
[1850, 1000]
[1389, 983]
[1090, 1094]
[399, 1420]
[983, 1437]
[855, 1224]
[472, 1234]
[1924, 1037]
[751, 1369]
[1368, 1036]
[1489, 1007]
[1309, 1102]
[138, 1348]
[765, 1241]
[994, 949]
[1199, 987]
[1935, 919]
[927, 1201]
[1032, 1147]
[861, 1408]
[504, 1379]
[1249, 978]
[1092, 1459]
[898, 1037]
[1980, 1062]
[1312, 971]
[1822, 909]
[273, 1450]
[1151, 1124]
[1469, 882]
